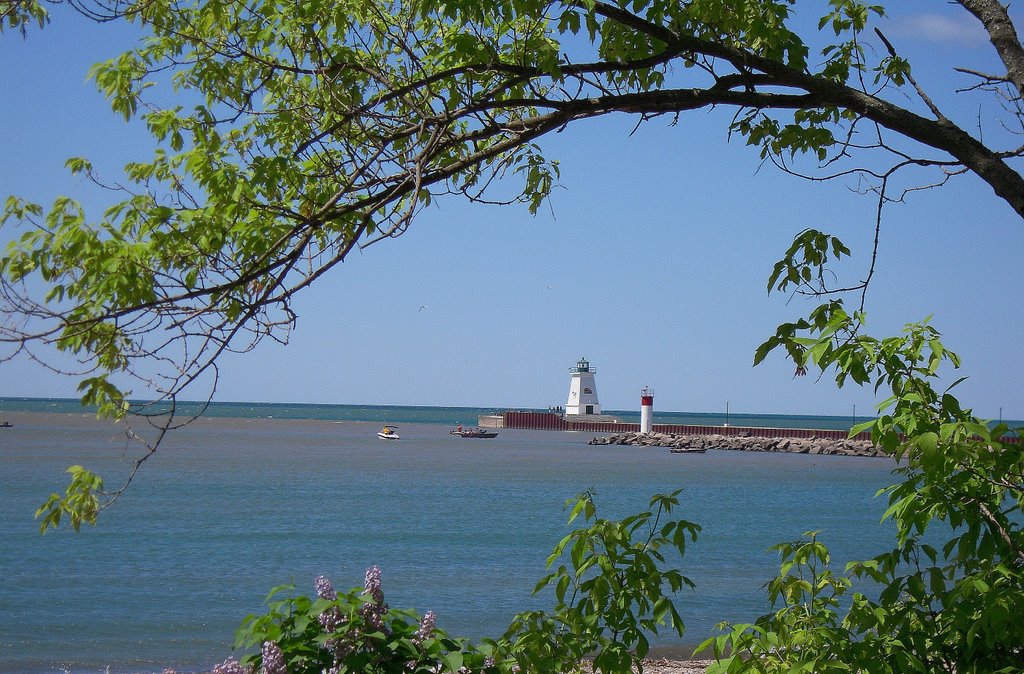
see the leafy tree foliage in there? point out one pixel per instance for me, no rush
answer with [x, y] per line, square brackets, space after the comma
[941, 608]
[613, 595]
[313, 129]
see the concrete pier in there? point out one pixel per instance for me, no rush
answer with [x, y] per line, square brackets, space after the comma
[549, 421]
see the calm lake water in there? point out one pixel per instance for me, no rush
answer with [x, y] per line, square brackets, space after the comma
[232, 507]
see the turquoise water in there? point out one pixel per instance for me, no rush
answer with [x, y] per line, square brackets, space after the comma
[240, 502]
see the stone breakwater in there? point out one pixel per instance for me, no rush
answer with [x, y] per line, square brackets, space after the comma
[743, 442]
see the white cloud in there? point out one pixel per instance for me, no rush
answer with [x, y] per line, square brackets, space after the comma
[961, 31]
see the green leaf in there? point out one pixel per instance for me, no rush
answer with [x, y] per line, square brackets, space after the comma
[453, 662]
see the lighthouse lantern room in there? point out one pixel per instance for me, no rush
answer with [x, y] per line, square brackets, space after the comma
[582, 390]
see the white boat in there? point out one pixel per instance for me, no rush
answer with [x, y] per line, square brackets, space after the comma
[388, 433]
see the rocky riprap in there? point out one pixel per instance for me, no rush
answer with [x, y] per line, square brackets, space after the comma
[746, 443]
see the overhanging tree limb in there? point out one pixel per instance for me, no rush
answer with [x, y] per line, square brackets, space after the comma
[994, 16]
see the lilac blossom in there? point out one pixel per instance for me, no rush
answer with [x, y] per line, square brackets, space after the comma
[373, 611]
[373, 617]
[273, 659]
[230, 666]
[331, 619]
[324, 589]
[372, 584]
[427, 625]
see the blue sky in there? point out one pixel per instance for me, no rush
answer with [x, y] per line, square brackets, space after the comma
[651, 259]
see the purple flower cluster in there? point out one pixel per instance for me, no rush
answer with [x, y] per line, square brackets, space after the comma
[372, 586]
[273, 659]
[427, 625]
[324, 588]
[331, 619]
[230, 666]
[373, 612]
[342, 646]
[343, 642]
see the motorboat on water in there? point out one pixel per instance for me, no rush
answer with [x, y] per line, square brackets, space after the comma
[389, 433]
[473, 433]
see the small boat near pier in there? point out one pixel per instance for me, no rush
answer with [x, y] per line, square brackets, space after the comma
[389, 433]
[473, 433]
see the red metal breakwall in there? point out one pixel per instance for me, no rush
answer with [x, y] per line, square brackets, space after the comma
[548, 421]
[542, 421]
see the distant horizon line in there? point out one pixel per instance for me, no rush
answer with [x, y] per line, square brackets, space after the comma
[497, 409]
[726, 414]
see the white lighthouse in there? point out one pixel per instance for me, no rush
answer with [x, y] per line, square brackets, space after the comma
[582, 390]
[646, 409]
